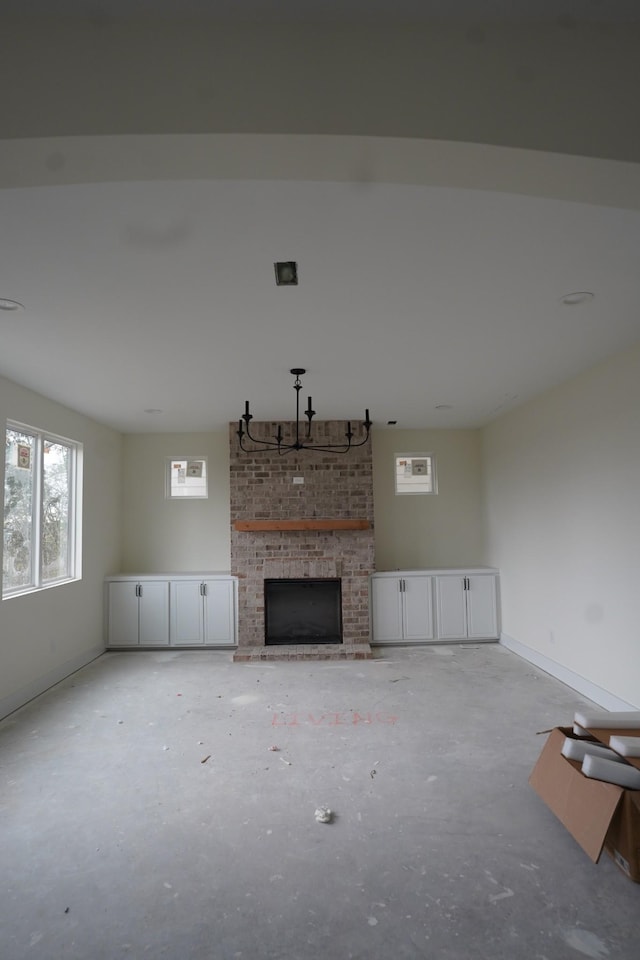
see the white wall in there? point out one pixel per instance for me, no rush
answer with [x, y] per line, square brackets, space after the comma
[562, 514]
[444, 530]
[44, 636]
[173, 536]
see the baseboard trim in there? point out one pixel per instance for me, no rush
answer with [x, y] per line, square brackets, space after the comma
[581, 685]
[16, 700]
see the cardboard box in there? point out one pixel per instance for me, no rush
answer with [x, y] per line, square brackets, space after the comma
[597, 815]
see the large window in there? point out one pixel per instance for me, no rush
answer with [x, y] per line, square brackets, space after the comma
[42, 493]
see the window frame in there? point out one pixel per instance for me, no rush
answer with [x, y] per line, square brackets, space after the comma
[73, 552]
[174, 498]
[431, 457]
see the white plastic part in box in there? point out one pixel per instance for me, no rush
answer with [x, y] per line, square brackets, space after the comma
[626, 746]
[625, 719]
[579, 749]
[611, 771]
[580, 731]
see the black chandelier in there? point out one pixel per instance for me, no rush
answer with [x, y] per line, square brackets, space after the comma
[303, 439]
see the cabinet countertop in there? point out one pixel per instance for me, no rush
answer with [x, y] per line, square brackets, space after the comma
[436, 571]
[196, 575]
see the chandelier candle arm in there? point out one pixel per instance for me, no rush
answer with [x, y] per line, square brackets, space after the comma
[278, 443]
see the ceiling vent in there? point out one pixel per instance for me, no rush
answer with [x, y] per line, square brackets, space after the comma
[286, 273]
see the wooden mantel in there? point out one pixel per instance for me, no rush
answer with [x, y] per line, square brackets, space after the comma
[270, 525]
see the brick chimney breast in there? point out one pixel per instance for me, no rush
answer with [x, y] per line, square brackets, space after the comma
[336, 487]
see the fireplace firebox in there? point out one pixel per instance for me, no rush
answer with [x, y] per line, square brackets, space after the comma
[303, 611]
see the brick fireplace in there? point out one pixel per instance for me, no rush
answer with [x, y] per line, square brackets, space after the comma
[302, 515]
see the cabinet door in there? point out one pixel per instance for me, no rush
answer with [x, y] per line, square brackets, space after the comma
[418, 608]
[218, 611]
[386, 609]
[482, 616]
[451, 608]
[153, 597]
[186, 612]
[123, 614]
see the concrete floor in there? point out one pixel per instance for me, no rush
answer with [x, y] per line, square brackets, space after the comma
[119, 841]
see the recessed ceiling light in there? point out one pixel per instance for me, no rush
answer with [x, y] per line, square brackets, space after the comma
[444, 406]
[10, 306]
[577, 298]
[286, 273]
[152, 410]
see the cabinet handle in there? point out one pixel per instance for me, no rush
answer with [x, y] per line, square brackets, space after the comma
[138, 590]
[203, 589]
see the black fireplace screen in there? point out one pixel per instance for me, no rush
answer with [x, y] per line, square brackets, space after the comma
[303, 611]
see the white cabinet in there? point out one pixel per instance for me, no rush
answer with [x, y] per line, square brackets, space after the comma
[466, 607]
[171, 610]
[138, 613]
[402, 608]
[434, 605]
[202, 612]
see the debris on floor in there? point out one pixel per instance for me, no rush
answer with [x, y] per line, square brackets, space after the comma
[288, 762]
[208, 757]
[324, 815]
[274, 748]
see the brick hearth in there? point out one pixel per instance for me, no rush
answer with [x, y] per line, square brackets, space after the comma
[336, 487]
[305, 651]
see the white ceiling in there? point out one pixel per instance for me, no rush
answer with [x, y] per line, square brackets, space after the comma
[145, 292]
[162, 295]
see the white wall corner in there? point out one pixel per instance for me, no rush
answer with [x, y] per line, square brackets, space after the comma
[43, 683]
[580, 684]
